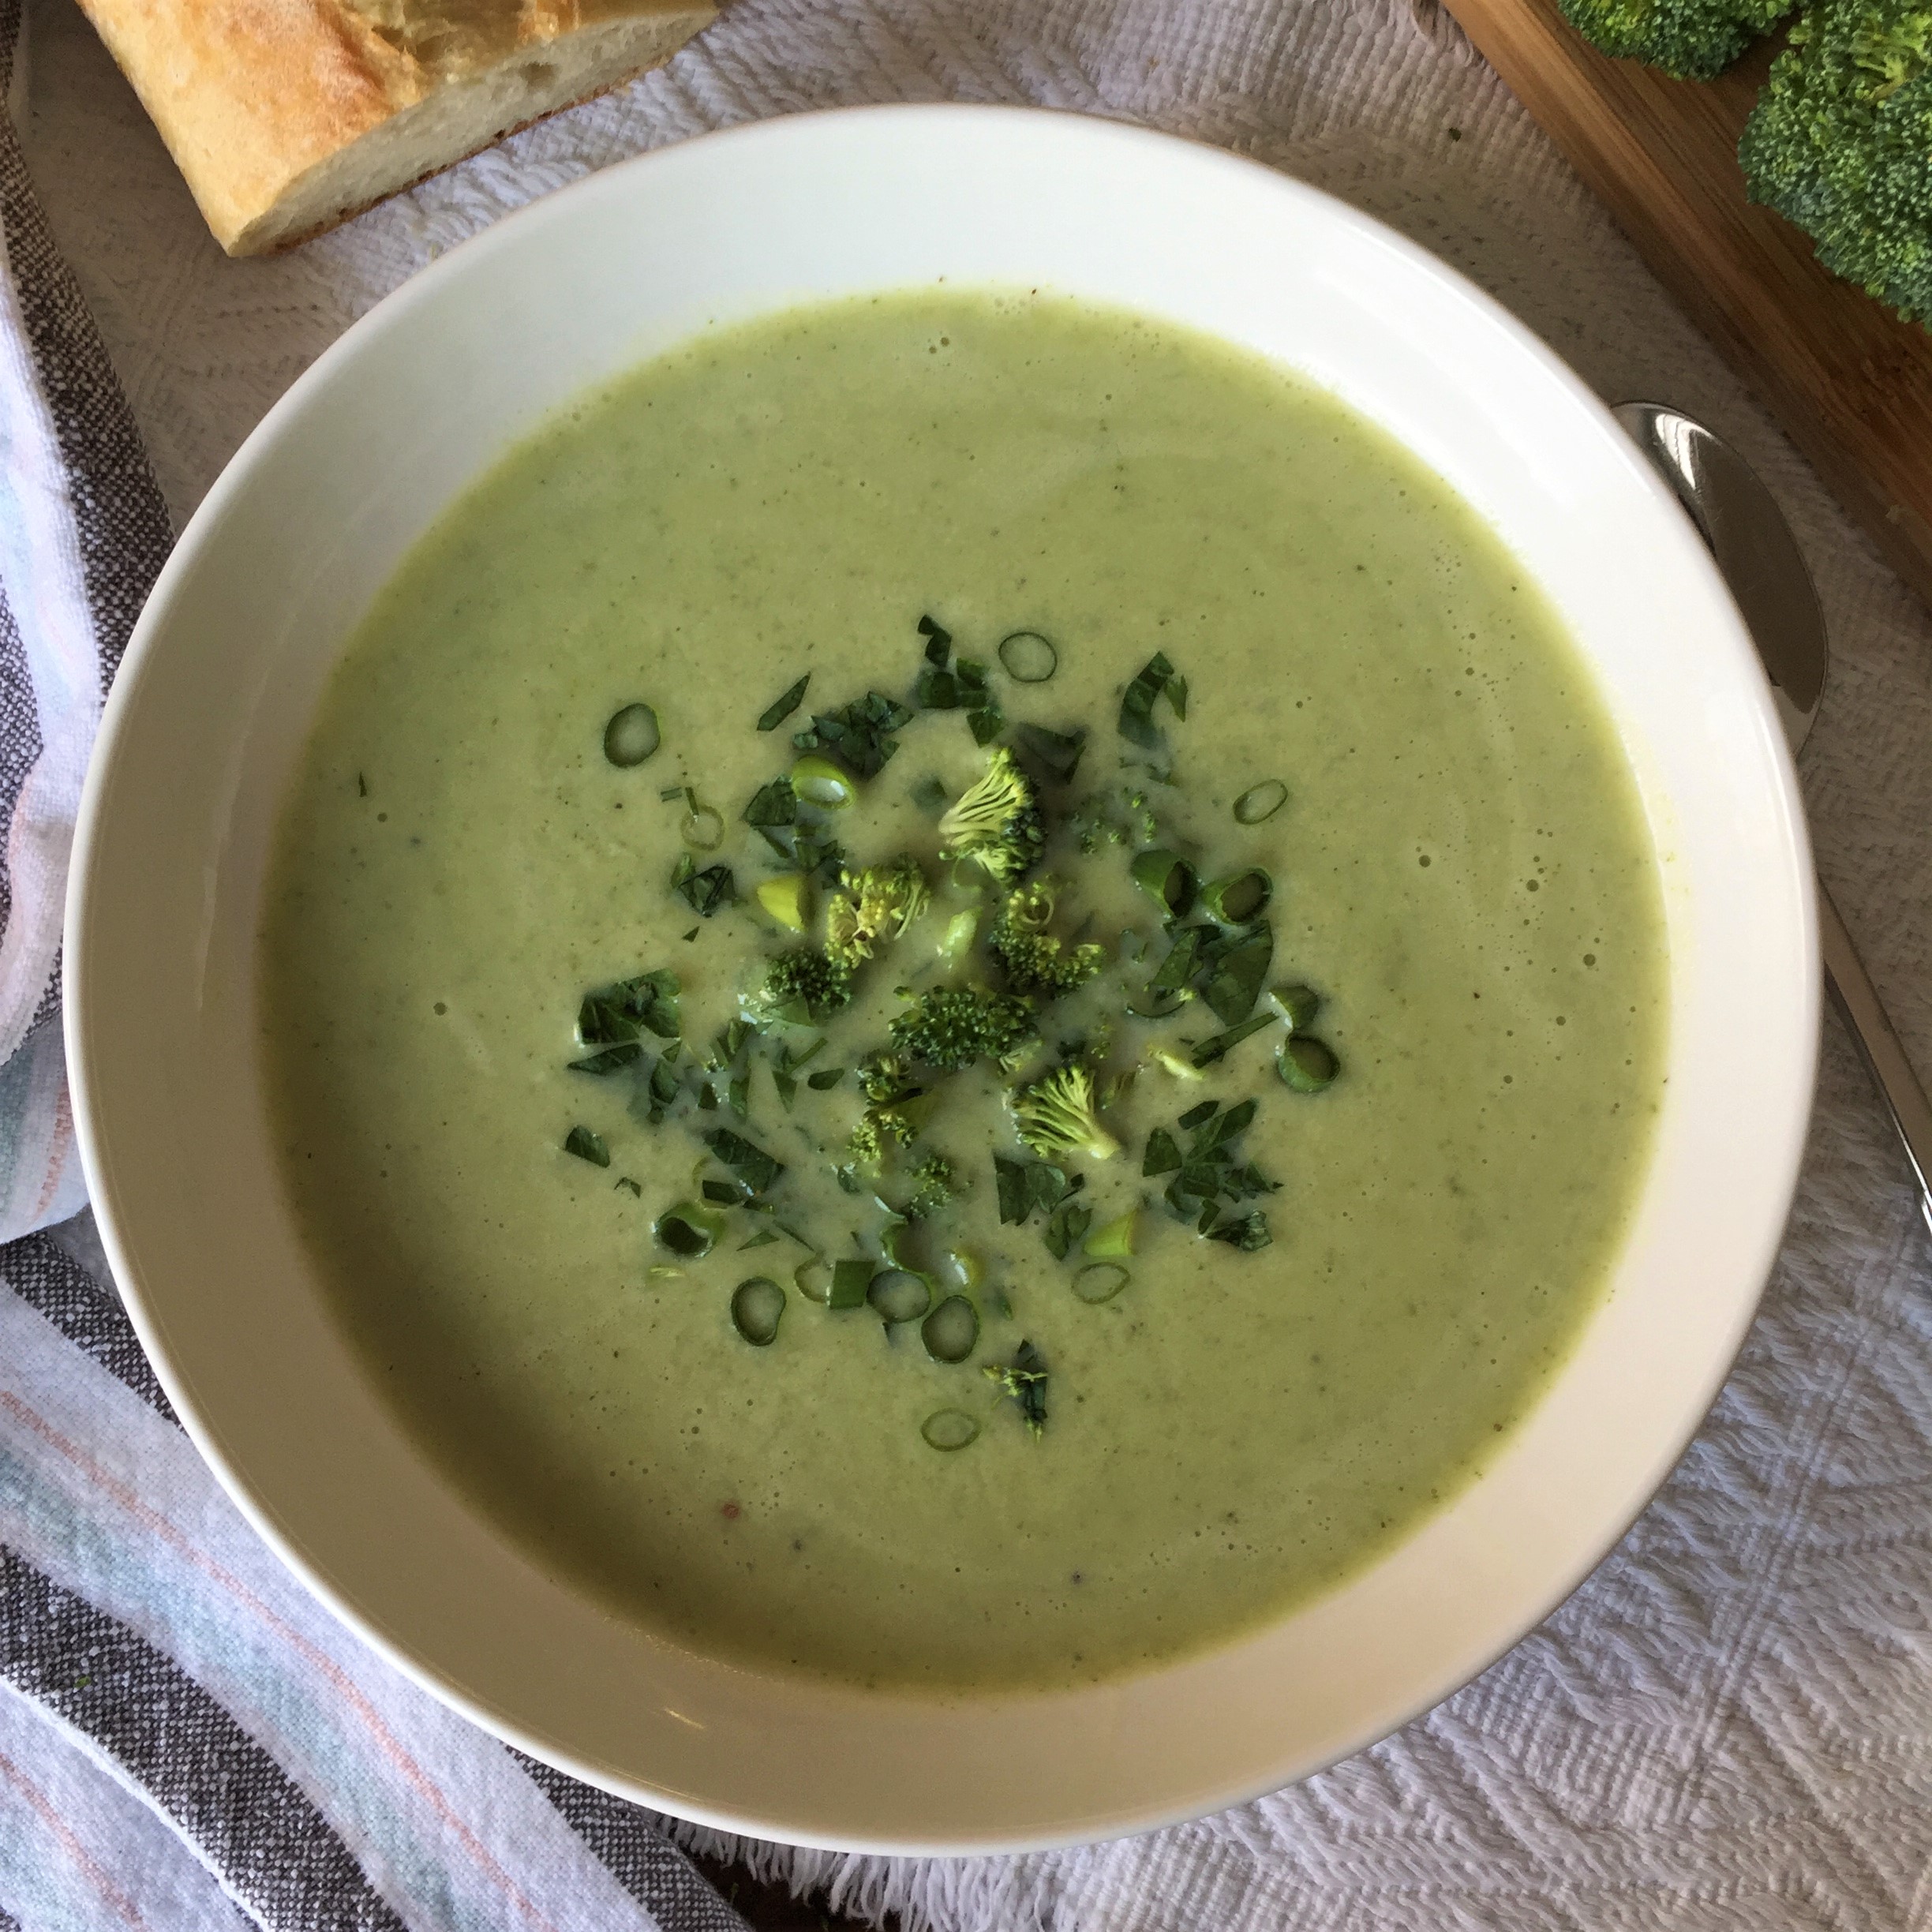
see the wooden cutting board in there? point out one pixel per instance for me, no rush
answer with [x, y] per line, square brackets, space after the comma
[1851, 383]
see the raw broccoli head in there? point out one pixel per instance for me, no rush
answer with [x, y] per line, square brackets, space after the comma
[951, 1027]
[997, 822]
[1840, 143]
[872, 907]
[1031, 959]
[800, 988]
[1693, 40]
[1059, 1115]
[934, 1184]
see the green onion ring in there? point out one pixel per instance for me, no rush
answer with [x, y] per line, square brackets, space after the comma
[1260, 801]
[948, 1429]
[757, 1307]
[1029, 658]
[1100, 1281]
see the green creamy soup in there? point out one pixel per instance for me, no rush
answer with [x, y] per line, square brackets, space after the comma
[1460, 870]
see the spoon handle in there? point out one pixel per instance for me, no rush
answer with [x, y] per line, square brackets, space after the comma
[1857, 1000]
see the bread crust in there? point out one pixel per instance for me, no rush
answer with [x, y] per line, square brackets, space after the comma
[251, 96]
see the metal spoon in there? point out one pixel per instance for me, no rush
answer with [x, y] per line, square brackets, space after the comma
[1746, 531]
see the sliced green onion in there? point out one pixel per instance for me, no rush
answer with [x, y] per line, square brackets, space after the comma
[757, 1307]
[1238, 899]
[1261, 801]
[689, 1229]
[1170, 1062]
[951, 1332]
[812, 1279]
[587, 1146]
[1168, 880]
[1113, 1240]
[1100, 1281]
[1306, 1065]
[1297, 1005]
[1029, 657]
[850, 1280]
[897, 1295]
[631, 735]
[948, 1429]
[966, 1265]
[663, 1272]
[819, 782]
[703, 829]
[784, 900]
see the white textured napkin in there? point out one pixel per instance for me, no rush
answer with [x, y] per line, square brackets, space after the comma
[1730, 1725]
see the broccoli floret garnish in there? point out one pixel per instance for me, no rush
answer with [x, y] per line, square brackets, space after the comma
[1840, 143]
[884, 1077]
[997, 822]
[1693, 40]
[883, 1129]
[800, 988]
[934, 1184]
[1031, 959]
[873, 908]
[1058, 1115]
[950, 1027]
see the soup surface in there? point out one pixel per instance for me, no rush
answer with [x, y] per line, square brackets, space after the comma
[1460, 870]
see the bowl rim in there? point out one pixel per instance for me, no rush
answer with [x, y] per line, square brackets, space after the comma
[508, 233]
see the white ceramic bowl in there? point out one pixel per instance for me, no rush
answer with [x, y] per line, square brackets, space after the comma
[209, 713]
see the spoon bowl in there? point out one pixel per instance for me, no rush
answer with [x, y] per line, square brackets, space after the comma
[1764, 569]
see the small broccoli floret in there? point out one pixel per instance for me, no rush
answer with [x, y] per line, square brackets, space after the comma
[885, 1077]
[1031, 959]
[1840, 143]
[934, 1184]
[883, 1128]
[1693, 40]
[997, 822]
[873, 908]
[951, 1027]
[1058, 1115]
[800, 988]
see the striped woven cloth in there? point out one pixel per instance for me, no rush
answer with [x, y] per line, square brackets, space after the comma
[187, 1740]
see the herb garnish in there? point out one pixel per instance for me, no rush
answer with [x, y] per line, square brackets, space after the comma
[1057, 753]
[775, 714]
[1023, 1381]
[630, 1008]
[960, 687]
[858, 734]
[704, 892]
[1066, 1226]
[612, 1060]
[1025, 1185]
[1137, 701]
[1211, 1172]
[752, 1165]
[984, 944]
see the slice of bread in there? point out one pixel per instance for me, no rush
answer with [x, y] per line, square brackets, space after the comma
[286, 116]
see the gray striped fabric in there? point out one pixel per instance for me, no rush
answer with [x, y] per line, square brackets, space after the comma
[163, 1733]
[263, 1828]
